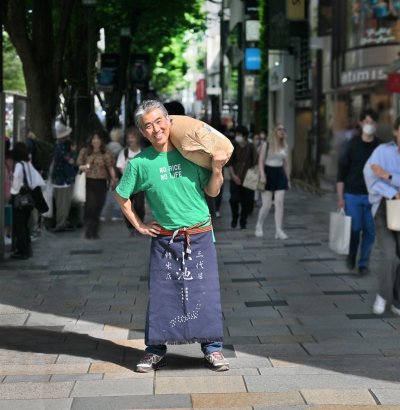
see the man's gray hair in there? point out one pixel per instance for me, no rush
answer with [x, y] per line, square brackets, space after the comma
[147, 106]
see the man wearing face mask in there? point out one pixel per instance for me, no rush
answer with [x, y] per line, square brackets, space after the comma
[352, 192]
[244, 157]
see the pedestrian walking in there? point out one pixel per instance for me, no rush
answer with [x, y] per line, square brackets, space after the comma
[25, 177]
[114, 146]
[98, 164]
[184, 295]
[133, 148]
[352, 192]
[244, 157]
[63, 177]
[274, 171]
[382, 177]
[111, 210]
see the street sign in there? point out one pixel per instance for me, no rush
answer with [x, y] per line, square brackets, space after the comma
[140, 70]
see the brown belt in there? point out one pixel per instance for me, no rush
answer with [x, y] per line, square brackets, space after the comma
[187, 231]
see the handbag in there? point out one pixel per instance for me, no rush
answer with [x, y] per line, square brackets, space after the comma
[393, 214]
[24, 199]
[39, 200]
[339, 232]
[252, 180]
[79, 191]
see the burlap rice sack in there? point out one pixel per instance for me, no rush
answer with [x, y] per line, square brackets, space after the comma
[197, 141]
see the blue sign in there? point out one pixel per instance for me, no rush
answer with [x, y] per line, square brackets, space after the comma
[252, 59]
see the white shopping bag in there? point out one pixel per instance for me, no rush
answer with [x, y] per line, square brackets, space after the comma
[393, 214]
[48, 196]
[339, 232]
[79, 190]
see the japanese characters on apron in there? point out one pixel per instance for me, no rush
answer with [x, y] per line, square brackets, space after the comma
[184, 300]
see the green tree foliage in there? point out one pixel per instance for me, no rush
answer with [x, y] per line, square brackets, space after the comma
[51, 39]
[157, 28]
[170, 67]
[12, 68]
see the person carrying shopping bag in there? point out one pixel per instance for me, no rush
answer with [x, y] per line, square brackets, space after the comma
[382, 178]
[25, 178]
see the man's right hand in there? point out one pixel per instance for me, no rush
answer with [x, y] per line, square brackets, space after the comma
[151, 229]
[340, 203]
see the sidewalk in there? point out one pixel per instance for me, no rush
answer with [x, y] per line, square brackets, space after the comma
[299, 329]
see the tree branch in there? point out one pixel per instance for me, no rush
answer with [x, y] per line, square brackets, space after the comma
[16, 27]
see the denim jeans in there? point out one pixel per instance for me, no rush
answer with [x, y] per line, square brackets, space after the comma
[362, 225]
[206, 348]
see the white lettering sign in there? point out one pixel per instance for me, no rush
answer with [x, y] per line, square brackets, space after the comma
[362, 75]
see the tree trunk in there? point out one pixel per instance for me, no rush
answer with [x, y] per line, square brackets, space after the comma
[42, 105]
[40, 45]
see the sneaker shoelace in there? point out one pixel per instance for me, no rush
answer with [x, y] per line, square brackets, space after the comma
[148, 357]
[217, 355]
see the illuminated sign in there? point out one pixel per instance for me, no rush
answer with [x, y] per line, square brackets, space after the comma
[252, 59]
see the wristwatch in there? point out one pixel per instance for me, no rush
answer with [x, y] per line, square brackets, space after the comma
[390, 177]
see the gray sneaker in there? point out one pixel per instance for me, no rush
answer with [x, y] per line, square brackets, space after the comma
[216, 361]
[150, 362]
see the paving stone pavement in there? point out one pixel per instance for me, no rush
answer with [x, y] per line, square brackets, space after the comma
[299, 332]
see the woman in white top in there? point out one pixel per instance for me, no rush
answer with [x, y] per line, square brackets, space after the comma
[21, 233]
[133, 147]
[274, 172]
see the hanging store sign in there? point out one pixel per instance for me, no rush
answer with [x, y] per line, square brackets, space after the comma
[362, 75]
[393, 83]
[201, 90]
[378, 36]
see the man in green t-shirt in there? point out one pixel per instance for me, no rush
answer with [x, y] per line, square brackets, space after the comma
[184, 295]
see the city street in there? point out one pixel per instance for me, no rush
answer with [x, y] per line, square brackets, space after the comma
[299, 331]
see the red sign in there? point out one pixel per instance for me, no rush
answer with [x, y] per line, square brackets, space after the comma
[393, 82]
[201, 90]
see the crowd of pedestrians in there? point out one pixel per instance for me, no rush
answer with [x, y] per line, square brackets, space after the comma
[368, 176]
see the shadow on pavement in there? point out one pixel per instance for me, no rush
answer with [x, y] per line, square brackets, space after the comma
[284, 302]
[36, 340]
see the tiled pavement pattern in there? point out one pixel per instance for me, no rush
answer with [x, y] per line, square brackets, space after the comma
[299, 329]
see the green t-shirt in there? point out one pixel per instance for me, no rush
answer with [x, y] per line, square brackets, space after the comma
[173, 187]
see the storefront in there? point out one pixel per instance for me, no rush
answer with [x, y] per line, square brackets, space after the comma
[365, 47]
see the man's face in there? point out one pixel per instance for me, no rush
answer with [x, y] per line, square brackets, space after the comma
[368, 121]
[155, 128]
